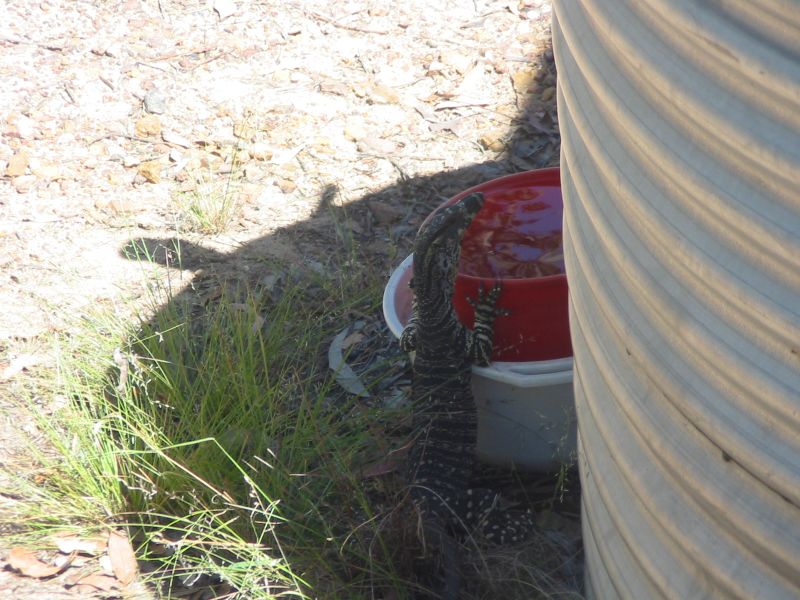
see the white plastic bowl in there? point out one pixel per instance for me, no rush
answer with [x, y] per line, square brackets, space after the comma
[526, 410]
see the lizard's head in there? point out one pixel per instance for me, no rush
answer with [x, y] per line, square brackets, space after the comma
[437, 248]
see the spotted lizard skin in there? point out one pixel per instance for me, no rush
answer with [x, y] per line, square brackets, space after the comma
[442, 457]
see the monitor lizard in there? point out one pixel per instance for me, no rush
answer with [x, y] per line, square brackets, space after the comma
[442, 457]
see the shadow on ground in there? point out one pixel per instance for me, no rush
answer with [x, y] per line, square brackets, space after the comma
[378, 238]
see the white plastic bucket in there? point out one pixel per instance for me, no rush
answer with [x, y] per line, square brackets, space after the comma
[526, 412]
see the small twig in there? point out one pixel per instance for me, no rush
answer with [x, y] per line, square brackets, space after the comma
[144, 64]
[213, 58]
[361, 63]
[69, 94]
[108, 82]
[335, 23]
[15, 40]
[133, 138]
[409, 84]
[203, 50]
[403, 175]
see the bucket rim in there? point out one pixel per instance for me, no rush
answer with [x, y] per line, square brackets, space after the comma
[521, 374]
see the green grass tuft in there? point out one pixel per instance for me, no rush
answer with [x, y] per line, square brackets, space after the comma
[217, 433]
[213, 201]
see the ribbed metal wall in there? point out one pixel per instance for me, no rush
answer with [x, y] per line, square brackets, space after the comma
[680, 126]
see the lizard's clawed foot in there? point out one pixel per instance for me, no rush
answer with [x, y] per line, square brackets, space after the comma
[486, 302]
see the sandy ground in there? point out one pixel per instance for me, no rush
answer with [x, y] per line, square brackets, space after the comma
[300, 117]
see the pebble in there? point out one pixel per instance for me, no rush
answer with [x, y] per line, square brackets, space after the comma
[115, 151]
[113, 179]
[493, 140]
[148, 125]
[249, 192]
[222, 136]
[457, 59]
[118, 206]
[254, 173]
[435, 67]
[18, 164]
[354, 129]
[151, 170]
[260, 151]
[287, 186]
[114, 50]
[176, 139]
[155, 102]
[23, 183]
[522, 80]
[281, 76]
[99, 148]
[376, 145]
[382, 94]
[25, 127]
[46, 171]
[148, 222]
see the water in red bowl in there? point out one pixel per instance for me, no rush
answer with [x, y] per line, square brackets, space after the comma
[516, 239]
[516, 235]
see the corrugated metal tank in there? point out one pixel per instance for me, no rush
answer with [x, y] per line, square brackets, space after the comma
[680, 126]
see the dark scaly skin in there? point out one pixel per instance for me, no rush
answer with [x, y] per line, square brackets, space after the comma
[445, 419]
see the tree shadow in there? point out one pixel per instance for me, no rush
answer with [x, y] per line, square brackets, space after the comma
[377, 231]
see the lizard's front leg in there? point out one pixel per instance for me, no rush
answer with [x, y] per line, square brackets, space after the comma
[480, 340]
[408, 339]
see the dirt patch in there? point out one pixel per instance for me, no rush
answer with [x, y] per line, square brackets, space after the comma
[248, 130]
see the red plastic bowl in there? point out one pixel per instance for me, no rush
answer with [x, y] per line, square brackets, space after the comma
[537, 326]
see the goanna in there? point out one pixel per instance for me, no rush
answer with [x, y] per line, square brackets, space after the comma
[444, 414]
